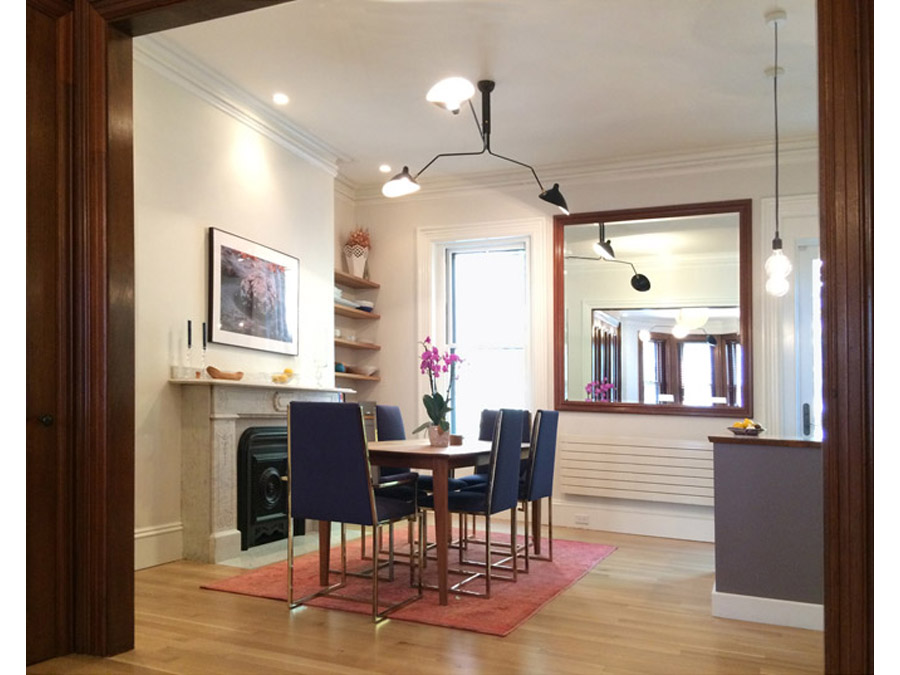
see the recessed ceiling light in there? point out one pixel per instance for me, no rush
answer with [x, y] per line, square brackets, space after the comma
[385, 168]
[280, 99]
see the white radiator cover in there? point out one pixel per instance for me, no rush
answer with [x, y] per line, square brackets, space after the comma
[642, 469]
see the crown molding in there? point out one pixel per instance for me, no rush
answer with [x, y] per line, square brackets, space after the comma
[176, 65]
[743, 156]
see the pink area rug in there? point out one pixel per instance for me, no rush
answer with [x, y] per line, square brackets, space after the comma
[509, 606]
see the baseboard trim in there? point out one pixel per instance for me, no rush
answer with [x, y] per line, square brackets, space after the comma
[693, 523]
[768, 610]
[158, 544]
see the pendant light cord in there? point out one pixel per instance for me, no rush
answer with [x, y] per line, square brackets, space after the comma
[776, 243]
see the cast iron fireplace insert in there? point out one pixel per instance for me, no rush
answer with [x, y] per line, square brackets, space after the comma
[262, 494]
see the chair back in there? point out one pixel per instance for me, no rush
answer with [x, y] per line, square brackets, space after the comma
[328, 463]
[389, 427]
[389, 423]
[506, 449]
[489, 420]
[543, 455]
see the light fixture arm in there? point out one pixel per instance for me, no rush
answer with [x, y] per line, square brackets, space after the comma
[447, 154]
[484, 131]
[639, 282]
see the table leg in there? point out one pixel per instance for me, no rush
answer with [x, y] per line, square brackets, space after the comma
[536, 525]
[441, 527]
[324, 551]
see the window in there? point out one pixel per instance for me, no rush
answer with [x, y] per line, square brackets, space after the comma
[487, 325]
[652, 365]
[606, 356]
[698, 370]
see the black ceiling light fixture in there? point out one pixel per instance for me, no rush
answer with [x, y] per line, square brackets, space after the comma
[603, 247]
[639, 282]
[450, 94]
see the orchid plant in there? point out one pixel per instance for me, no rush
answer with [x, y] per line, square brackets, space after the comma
[434, 364]
[598, 391]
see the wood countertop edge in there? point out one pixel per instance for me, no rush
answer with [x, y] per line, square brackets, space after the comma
[767, 440]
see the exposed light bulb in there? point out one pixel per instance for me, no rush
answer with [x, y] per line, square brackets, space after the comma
[644, 335]
[778, 264]
[280, 99]
[679, 331]
[777, 286]
[778, 267]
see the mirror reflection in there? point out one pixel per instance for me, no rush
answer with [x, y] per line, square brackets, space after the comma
[652, 312]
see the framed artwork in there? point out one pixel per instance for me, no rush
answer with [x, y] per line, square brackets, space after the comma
[253, 294]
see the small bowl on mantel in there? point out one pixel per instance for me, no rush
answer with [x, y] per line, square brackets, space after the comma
[749, 431]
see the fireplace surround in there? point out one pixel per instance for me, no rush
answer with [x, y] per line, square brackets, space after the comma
[214, 415]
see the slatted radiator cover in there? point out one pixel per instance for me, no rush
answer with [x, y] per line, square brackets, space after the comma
[655, 470]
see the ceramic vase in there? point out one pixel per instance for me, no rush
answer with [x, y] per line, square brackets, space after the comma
[356, 257]
[438, 437]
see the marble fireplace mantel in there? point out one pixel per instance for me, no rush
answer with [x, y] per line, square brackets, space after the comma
[214, 414]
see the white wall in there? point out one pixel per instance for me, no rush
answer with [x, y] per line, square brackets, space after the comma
[197, 167]
[393, 262]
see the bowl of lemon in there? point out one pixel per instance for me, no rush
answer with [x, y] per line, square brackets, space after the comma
[283, 377]
[746, 427]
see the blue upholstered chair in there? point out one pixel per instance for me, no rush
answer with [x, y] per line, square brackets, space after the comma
[486, 425]
[500, 494]
[330, 479]
[389, 427]
[535, 481]
[538, 480]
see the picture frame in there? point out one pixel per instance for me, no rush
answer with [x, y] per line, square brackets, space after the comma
[253, 294]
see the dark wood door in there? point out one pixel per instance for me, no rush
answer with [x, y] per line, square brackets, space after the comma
[48, 541]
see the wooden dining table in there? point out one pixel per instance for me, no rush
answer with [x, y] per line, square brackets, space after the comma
[419, 454]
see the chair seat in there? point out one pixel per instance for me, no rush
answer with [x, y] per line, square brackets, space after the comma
[400, 486]
[461, 501]
[392, 508]
[476, 480]
[426, 484]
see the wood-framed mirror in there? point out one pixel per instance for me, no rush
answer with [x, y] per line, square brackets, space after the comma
[665, 326]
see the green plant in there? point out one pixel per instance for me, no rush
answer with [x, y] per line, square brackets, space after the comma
[434, 365]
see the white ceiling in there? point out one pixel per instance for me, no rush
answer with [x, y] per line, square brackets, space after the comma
[578, 81]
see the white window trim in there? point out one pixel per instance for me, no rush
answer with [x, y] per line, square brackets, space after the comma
[774, 387]
[431, 244]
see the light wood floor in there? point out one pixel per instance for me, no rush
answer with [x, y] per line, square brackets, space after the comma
[645, 610]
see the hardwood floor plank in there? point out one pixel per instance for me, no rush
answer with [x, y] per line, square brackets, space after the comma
[643, 610]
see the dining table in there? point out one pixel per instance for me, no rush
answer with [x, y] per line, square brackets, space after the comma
[419, 454]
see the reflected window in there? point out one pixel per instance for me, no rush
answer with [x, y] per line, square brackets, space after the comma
[653, 369]
[606, 340]
[699, 370]
[696, 366]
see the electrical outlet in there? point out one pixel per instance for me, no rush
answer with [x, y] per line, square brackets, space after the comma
[581, 519]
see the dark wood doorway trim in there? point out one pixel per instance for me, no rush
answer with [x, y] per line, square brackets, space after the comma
[101, 266]
[95, 461]
[845, 30]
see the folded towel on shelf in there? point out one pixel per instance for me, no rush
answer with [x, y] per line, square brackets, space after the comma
[346, 303]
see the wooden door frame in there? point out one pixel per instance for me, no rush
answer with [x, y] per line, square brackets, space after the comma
[103, 299]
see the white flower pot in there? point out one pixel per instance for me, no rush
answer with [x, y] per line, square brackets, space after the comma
[356, 257]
